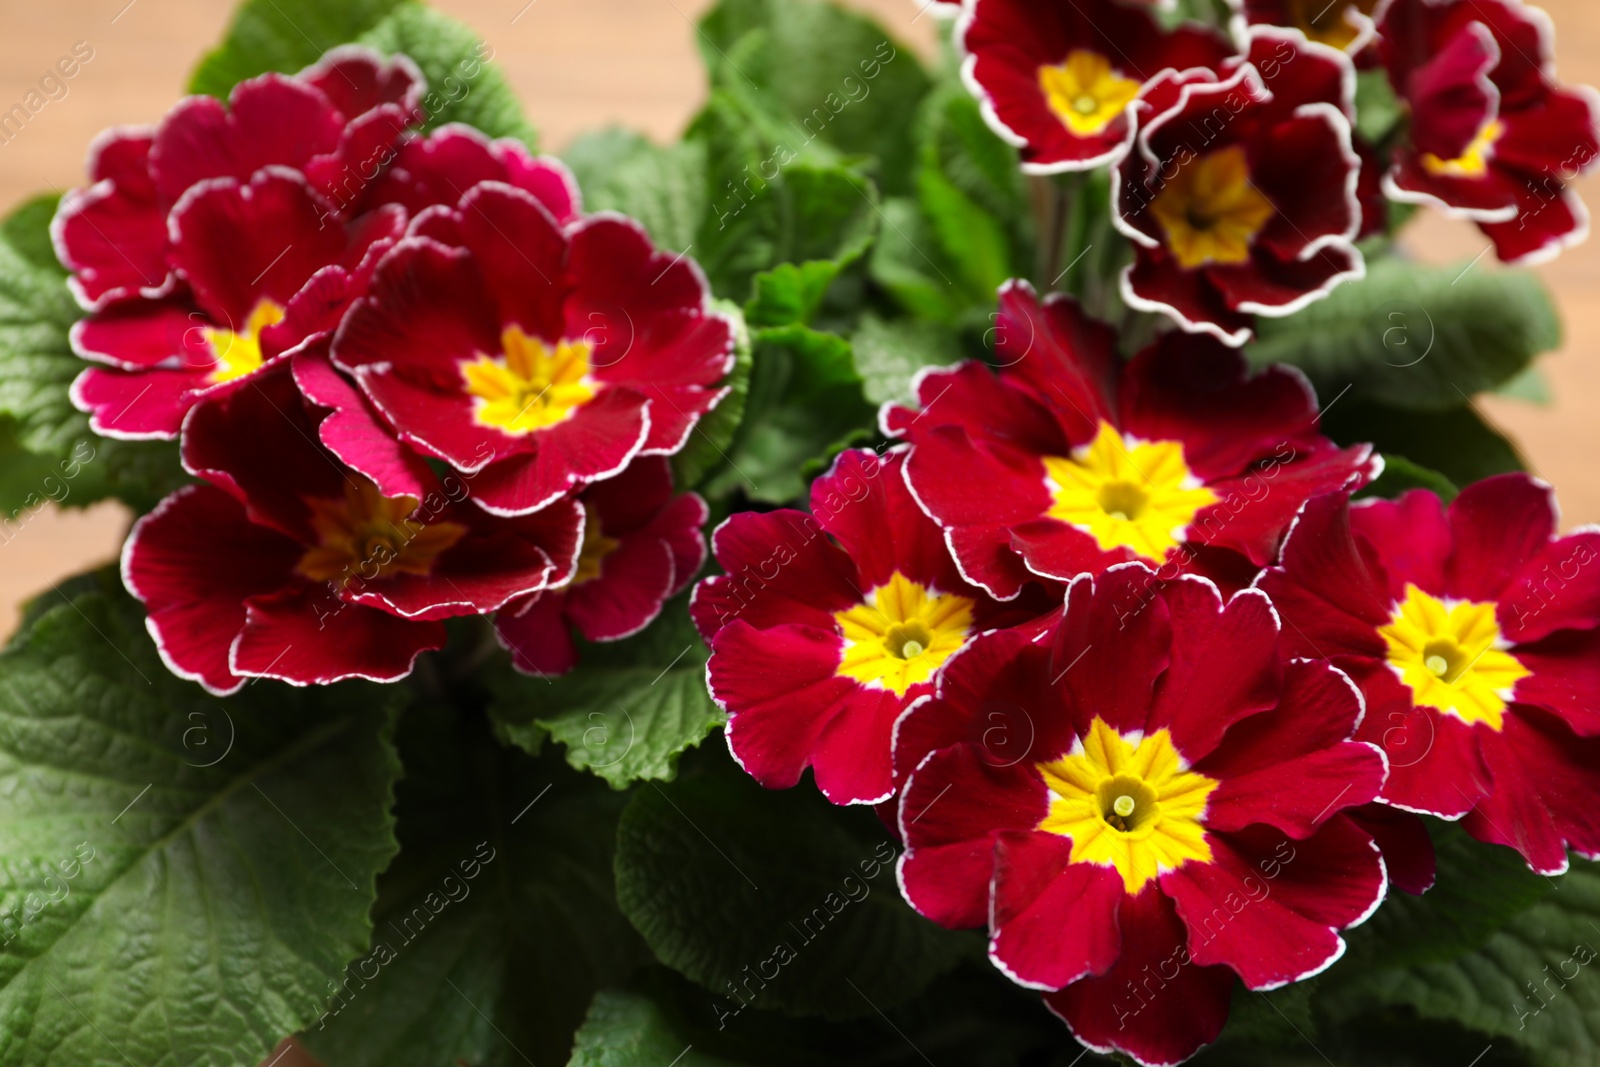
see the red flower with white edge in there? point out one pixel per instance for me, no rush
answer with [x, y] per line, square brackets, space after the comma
[335, 122]
[1475, 633]
[1343, 24]
[641, 545]
[438, 168]
[287, 565]
[1142, 807]
[1494, 137]
[244, 250]
[534, 357]
[1069, 460]
[818, 644]
[1059, 81]
[1242, 198]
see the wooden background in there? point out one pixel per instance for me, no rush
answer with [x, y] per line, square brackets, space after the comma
[578, 64]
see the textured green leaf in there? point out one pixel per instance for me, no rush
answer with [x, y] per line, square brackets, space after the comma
[707, 448]
[888, 353]
[663, 187]
[727, 880]
[629, 1030]
[183, 875]
[464, 85]
[768, 208]
[52, 453]
[821, 74]
[289, 35]
[905, 262]
[972, 196]
[1458, 444]
[1532, 981]
[496, 924]
[1424, 338]
[790, 293]
[285, 36]
[626, 711]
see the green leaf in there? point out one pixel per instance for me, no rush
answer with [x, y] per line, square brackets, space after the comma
[289, 35]
[1378, 110]
[888, 353]
[184, 875]
[1458, 444]
[1531, 981]
[727, 881]
[628, 1030]
[790, 293]
[464, 85]
[663, 187]
[819, 74]
[1529, 386]
[805, 397]
[972, 195]
[1415, 337]
[767, 208]
[49, 450]
[903, 263]
[626, 711]
[707, 448]
[498, 921]
[285, 36]
[1400, 474]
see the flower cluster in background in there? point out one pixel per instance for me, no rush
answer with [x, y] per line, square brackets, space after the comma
[398, 363]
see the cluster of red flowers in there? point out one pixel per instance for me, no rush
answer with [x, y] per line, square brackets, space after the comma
[1237, 172]
[1140, 689]
[414, 380]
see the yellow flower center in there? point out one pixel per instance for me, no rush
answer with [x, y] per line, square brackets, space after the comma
[595, 548]
[239, 354]
[531, 386]
[901, 634]
[1127, 493]
[1211, 211]
[1451, 655]
[1328, 23]
[1474, 162]
[1085, 92]
[366, 535]
[1128, 802]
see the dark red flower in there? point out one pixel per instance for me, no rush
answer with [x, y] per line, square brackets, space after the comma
[439, 168]
[535, 357]
[1474, 632]
[244, 252]
[1493, 136]
[1241, 199]
[1059, 81]
[1140, 808]
[1069, 460]
[335, 119]
[287, 565]
[817, 645]
[641, 545]
[1343, 24]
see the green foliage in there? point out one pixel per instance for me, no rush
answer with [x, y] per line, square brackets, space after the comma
[629, 1030]
[496, 924]
[1401, 474]
[663, 187]
[289, 35]
[1415, 337]
[184, 875]
[626, 711]
[888, 353]
[1457, 444]
[727, 881]
[707, 448]
[46, 446]
[1530, 980]
[817, 77]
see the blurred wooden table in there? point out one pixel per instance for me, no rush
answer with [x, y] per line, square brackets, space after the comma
[578, 64]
